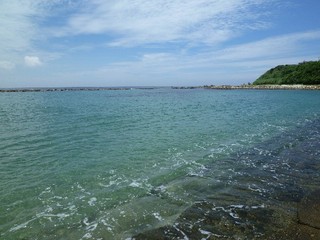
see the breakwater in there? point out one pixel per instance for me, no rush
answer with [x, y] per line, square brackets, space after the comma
[255, 87]
[266, 87]
[63, 89]
[217, 87]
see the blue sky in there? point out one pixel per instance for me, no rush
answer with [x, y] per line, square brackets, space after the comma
[51, 43]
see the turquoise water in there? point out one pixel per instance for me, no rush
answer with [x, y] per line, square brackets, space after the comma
[111, 164]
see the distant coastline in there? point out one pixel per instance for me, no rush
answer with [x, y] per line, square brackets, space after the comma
[257, 87]
[305, 73]
[213, 87]
[66, 89]
[267, 87]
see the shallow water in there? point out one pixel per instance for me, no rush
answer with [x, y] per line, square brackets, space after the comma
[260, 195]
[113, 164]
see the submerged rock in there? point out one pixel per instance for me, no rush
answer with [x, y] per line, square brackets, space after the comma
[206, 220]
[309, 210]
[266, 198]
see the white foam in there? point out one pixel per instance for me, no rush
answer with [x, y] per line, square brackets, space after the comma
[157, 216]
[234, 215]
[62, 215]
[111, 183]
[185, 237]
[256, 207]
[92, 227]
[237, 206]
[80, 187]
[161, 188]
[49, 209]
[256, 189]
[72, 208]
[57, 197]
[85, 221]
[92, 201]
[109, 226]
[135, 184]
[105, 223]
[219, 208]
[87, 236]
[205, 232]
[48, 215]
[47, 190]
[22, 225]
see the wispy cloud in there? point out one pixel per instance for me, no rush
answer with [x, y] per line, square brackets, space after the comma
[26, 23]
[238, 63]
[148, 40]
[20, 28]
[16, 30]
[6, 65]
[271, 47]
[151, 21]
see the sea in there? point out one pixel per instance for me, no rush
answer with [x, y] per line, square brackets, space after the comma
[115, 164]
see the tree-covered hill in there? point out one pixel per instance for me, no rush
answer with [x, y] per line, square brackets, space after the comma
[307, 73]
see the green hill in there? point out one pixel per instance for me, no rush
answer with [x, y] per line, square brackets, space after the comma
[307, 73]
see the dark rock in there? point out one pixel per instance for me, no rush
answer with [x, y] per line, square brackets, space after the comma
[297, 232]
[206, 220]
[309, 210]
[162, 233]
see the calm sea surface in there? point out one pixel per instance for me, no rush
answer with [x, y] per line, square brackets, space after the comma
[113, 164]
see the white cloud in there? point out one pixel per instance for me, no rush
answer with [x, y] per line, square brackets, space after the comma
[153, 21]
[272, 47]
[16, 27]
[32, 61]
[122, 22]
[237, 64]
[180, 39]
[16, 31]
[20, 27]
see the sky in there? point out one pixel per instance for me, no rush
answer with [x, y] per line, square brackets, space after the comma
[98, 43]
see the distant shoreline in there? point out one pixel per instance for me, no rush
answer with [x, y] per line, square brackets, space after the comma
[66, 89]
[258, 87]
[267, 87]
[214, 87]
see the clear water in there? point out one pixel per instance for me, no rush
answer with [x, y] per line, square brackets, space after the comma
[111, 164]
